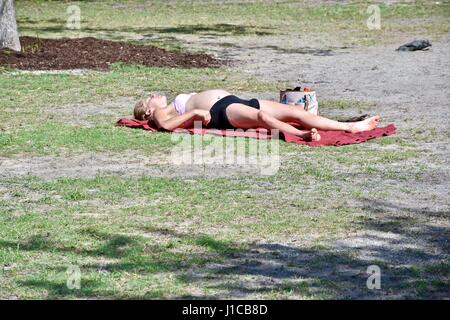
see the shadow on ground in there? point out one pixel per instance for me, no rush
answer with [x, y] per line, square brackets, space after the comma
[412, 258]
[199, 29]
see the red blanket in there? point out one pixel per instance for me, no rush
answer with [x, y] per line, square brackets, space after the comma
[329, 138]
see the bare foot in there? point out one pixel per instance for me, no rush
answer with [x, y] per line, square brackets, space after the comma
[365, 125]
[311, 135]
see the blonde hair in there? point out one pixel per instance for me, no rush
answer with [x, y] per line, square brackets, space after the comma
[139, 110]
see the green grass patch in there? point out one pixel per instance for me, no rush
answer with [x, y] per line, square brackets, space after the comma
[148, 20]
[137, 237]
[58, 139]
[346, 104]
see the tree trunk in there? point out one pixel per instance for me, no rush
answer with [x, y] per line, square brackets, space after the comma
[9, 37]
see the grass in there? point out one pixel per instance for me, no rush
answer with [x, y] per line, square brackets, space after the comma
[146, 230]
[31, 103]
[22, 93]
[149, 20]
[342, 104]
[207, 235]
[147, 233]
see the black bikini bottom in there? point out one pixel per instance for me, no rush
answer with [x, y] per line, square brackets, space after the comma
[219, 119]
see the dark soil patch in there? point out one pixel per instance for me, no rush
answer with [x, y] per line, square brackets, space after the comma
[92, 53]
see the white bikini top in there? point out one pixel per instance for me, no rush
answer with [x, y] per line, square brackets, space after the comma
[180, 102]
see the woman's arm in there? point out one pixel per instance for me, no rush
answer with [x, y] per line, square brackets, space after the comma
[184, 120]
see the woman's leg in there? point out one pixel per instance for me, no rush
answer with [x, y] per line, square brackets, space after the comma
[289, 113]
[245, 117]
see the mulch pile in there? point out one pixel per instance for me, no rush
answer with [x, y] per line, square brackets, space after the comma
[92, 53]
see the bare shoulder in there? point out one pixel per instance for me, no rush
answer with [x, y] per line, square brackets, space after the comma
[160, 116]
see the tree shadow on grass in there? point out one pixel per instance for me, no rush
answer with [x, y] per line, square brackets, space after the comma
[302, 50]
[220, 29]
[407, 221]
[89, 289]
[413, 259]
[124, 253]
[377, 206]
[27, 20]
[412, 264]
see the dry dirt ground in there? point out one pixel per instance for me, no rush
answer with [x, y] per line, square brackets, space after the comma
[408, 88]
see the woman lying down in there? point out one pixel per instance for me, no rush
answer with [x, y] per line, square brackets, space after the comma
[220, 109]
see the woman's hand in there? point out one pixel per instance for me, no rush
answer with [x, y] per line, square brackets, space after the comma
[203, 115]
[184, 120]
